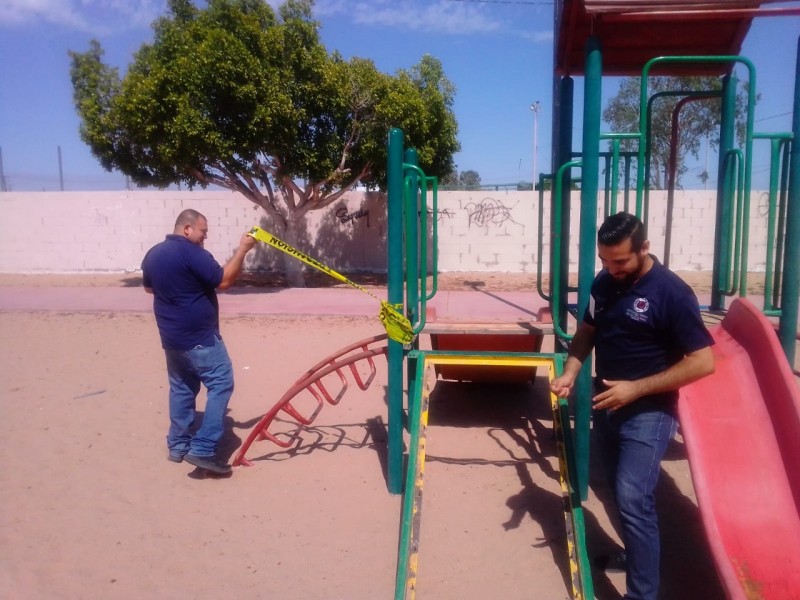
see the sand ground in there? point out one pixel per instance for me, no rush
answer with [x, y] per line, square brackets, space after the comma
[92, 509]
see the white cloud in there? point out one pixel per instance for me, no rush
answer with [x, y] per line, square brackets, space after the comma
[94, 16]
[106, 16]
[436, 17]
[538, 36]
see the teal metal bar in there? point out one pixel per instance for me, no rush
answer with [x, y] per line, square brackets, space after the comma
[790, 294]
[560, 270]
[435, 241]
[723, 235]
[735, 222]
[672, 178]
[592, 104]
[627, 182]
[405, 577]
[540, 236]
[614, 176]
[772, 268]
[780, 241]
[418, 204]
[645, 205]
[611, 164]
[559, 291]
[751, 98]
[394, 177]
[412, 233]
[607, 183]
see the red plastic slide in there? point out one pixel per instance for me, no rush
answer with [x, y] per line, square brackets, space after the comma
[742, 431]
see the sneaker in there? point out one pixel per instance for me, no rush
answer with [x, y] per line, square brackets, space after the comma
[616, 562]
[208, 463]
[176, 458]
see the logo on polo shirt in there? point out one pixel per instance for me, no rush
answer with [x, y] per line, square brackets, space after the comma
[639, 311]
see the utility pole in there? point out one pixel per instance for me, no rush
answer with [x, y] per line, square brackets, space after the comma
[535, 109]
[2, 174]
[60, 171]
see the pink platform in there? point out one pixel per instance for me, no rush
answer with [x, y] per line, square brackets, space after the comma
[742, 432]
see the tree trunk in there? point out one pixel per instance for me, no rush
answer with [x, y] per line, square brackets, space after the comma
[293, 267]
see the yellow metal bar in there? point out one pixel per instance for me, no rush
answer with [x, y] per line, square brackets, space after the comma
[563, 476]
[487, 360]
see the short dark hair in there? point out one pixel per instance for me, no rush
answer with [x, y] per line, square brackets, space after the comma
[618, 228]
[187, 217]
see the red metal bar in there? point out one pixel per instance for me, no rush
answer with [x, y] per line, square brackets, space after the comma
[334, 363]
[704, 15]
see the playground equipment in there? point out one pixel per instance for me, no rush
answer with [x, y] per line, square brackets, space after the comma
[419, 393]
[313, 382]
[710, 36]
[475, 351]
[742, 432]
[594, 38]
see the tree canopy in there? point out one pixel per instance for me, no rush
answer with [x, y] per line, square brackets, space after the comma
[698, 120]
[240, 96]
[464, 180]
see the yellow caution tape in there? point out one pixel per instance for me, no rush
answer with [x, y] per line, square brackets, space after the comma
[397, 326]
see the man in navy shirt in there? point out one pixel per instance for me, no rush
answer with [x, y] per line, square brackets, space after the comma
[184, 277]
[649, 338]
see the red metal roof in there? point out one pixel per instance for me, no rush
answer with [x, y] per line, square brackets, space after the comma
[631, 32]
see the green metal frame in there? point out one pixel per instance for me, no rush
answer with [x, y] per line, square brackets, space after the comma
[408, 551]
[790, 293]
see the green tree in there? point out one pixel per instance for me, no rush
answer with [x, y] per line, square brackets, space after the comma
[465, 180]
[698, 120]
[469, 180]
[238, 96]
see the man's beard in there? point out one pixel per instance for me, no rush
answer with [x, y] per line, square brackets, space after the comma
[630, 278]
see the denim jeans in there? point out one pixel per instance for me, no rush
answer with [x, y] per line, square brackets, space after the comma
[187, 369]
[631, 447]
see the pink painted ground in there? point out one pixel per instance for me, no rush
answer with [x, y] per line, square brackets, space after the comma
[92, 509]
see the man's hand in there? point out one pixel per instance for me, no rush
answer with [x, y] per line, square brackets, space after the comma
[618, 394]
[233, 267]
[247, 243]
[562, 386]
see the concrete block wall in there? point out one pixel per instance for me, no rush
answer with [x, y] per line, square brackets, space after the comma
[68, 232]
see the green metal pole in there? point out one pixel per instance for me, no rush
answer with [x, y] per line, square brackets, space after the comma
[593, 75]
[722, 239]
[540, 237]
[561, 270]
[772, 214]
[627, 183]
[413, 235]
[615, 144]
[790, 293]
[394, 284]
[780, 240]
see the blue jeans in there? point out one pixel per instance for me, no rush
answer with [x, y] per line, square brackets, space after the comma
[187, 369]
[631, 447]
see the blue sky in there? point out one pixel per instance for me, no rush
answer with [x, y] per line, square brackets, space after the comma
[498, 53]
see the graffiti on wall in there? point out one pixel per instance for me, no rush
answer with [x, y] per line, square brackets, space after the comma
[345, 217]
[441, 215]
[489, 212]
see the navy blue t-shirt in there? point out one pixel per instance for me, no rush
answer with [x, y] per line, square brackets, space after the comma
[644, 329]
[184, 278]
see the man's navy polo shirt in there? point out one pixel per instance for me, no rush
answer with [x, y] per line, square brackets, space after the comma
[184, 278]
[644, 329]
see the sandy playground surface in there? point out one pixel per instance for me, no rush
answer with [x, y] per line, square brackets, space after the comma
[91, 508]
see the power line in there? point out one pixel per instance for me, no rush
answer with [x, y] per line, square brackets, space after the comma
[528, 3]
[773, 117]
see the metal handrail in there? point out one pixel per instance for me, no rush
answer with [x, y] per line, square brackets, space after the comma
[555, 252]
